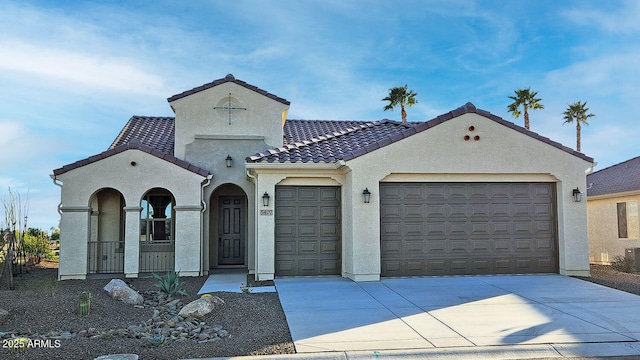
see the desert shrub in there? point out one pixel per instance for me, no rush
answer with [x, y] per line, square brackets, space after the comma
[623, 263]
[169, 283]
[37, 245]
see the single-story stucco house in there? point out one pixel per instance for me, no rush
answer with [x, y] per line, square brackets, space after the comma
[230, 181]
[613, 194]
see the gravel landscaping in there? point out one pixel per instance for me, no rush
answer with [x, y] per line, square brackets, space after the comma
[41, 308]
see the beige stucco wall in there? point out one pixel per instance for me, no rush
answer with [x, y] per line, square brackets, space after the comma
[195, 115]
[604, 243]
[439, 154]
[117, 172]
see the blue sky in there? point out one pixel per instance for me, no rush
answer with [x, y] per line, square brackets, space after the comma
[72, 72]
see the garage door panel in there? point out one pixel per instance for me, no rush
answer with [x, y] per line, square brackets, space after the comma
[307, 212]
[414, 211]
[308, 231]
[468, 228]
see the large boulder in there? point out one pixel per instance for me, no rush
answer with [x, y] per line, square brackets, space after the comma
[4, 315]
[119, 290]
[200, 307]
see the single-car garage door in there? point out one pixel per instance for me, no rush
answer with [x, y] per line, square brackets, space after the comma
[467, 228]
[308, 231]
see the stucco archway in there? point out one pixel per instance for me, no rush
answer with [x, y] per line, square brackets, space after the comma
[105, 252]
[228, 227]
[157, 231]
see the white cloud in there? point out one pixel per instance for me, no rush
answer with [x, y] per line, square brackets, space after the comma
[623, 19]
[77, 68]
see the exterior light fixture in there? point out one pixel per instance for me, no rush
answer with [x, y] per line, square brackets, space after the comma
[577, 195]
[265, 199]
[229, 161]
[366, 195]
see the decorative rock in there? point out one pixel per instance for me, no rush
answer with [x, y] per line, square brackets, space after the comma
[197, 308]
[4, 315]
[119, 290]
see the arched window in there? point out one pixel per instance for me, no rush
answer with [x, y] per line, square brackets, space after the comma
[156, 217]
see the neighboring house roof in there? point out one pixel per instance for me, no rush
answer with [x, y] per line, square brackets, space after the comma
[228, 78]
[618, 178]
[155, 132]
[365, 137]
[133, 144]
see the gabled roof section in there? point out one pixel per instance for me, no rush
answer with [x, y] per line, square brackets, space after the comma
[343, 144]
[133, 144]
[226, 79]
[299, 130]
[364, 137]
[155, 132]
[618, 178]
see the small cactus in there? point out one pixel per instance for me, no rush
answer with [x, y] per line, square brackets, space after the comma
[84, 303]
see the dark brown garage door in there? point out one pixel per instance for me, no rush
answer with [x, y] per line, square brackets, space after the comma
[467, 228]
[307, 230]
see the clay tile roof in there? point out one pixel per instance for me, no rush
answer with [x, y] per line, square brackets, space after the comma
[352, 139]
[132, 144]
[155, 132]
[618, 178]
[228, 78]
[329, 141]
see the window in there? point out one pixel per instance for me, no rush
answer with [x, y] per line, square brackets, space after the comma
[155, 218]
[628, 221]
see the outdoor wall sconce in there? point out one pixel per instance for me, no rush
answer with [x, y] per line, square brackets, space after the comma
[577, 195]
[265, 199]
[229, 161]
[366, 195]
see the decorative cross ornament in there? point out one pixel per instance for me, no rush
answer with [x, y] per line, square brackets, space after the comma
[229, 107]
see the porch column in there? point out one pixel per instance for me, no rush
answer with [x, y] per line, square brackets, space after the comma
[132, 241]
[188, 238]
[74, 237]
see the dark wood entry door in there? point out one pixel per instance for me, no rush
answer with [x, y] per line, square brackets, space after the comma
[231, 233]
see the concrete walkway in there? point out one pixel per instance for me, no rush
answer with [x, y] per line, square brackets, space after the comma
[450, 313]
[231, 280]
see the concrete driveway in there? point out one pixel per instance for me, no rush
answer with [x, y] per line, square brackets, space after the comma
[336, 314]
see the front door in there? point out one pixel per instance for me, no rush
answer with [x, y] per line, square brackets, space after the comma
[231, 244]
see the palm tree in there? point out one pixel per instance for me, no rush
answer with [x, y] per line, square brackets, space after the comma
[400, 96]
[527, 99]
[578, 112]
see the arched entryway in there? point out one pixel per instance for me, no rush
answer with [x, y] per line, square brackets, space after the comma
[228, 227]
[106, 232]
[157, 231]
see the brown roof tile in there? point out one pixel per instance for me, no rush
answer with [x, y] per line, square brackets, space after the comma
[357, 138]
[155, 132]
[133, 144]
[228, 78]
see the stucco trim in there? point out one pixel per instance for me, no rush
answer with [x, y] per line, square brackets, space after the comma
[290, 166]
[76, 209]
[187, 208]
[228, 137]
[132, 208]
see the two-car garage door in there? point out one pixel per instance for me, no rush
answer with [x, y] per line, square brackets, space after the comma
[467, 228]
[425, 229]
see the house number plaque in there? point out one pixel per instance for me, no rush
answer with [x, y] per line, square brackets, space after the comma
[266, 212]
